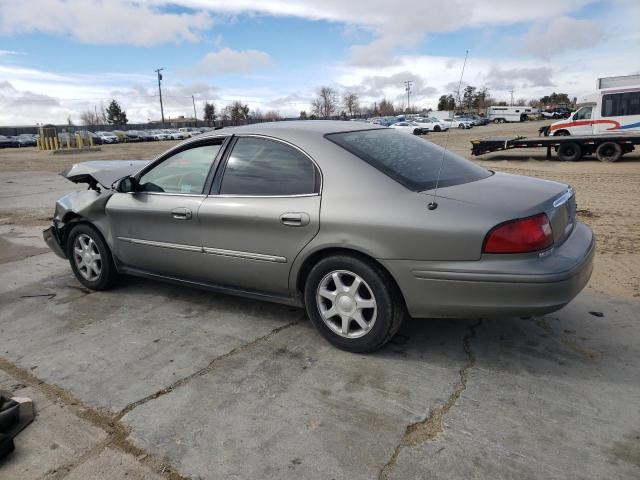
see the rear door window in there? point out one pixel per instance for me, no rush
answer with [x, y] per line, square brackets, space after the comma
[409, 160]
[258, 166]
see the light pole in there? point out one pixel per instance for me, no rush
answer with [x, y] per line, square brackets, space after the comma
[160, 92]
[407, 87]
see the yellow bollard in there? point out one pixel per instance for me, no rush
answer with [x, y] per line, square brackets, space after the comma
[56, 144]
[78, 141]
[48, 143]
[38, 143]
[68, 142]
[91, 141]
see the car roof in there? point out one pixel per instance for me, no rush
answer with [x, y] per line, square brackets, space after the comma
[294, 129]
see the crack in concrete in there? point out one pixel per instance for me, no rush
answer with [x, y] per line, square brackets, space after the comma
[202, 371]
[428, 429]
[117, 432]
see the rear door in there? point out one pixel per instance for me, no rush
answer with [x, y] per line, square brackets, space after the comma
[263, 209]
[156, 228]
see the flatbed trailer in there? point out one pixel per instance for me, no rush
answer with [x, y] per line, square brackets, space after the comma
[608, 148]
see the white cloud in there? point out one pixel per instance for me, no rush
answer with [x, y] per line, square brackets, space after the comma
[233, 61]
[9, 52]
[395, 26]
[560, 34]
[102, 21]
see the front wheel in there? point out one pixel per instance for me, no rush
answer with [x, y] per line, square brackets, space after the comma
[353, 303]
[90, 258]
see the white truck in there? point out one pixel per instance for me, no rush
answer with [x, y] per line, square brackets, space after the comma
[613, 109]
[498, 114]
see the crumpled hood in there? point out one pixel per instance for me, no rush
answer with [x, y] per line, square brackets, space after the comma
[104, 172]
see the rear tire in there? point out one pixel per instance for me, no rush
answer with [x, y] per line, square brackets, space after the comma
[90, 258]
[569, 152]
[609, 152]
[353, 302]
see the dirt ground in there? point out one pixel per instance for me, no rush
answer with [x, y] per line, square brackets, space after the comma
[608, 195]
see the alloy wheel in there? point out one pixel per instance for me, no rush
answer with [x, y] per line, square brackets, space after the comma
[346, 304]
[87, 257]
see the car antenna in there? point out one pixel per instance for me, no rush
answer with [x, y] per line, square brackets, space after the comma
[432, 205]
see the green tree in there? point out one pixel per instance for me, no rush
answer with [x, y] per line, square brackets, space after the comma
[209, 113]
[115, 114]
[447, 102]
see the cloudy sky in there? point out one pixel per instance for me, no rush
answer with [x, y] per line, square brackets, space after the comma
[60, 57]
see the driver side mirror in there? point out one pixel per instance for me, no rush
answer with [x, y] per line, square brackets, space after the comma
[126, 185]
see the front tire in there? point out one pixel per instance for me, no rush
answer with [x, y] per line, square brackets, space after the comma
[353, 302]
[90, 258]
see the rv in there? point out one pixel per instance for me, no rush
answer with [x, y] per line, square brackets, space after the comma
[508, 114]
[613, 109]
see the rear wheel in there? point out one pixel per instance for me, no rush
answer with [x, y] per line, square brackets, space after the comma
[90, 258]
[569, 152]
[353, 303]
[609, 152]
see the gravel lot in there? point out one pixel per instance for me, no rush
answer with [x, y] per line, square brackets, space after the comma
[153, 381]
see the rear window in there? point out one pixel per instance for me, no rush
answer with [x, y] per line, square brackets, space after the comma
[409, 160]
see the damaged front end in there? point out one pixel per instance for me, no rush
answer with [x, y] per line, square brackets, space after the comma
[87, 205]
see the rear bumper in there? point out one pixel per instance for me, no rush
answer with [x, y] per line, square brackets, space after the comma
[53, 238]
[498, 285]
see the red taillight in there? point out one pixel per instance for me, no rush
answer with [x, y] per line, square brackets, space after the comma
[520, 236]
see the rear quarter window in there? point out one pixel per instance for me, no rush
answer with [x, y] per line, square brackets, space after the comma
[411, 161]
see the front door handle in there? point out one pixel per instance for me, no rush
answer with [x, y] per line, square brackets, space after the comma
[181, 213]
[295, 219]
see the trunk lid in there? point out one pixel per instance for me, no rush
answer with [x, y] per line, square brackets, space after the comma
[516, 196]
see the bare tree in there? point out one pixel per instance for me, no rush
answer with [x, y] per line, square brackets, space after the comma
[385, 107]
[89, 117]
[272, 115]
[326, 102]
[351, 103]
[257, 114]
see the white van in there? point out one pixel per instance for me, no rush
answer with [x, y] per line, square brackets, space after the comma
[607, 111]
[508, 114]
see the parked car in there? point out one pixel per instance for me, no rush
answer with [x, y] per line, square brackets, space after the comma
[432, 124]
[459, 123]
[88, 137]
[159, 135]
[476, 120]
[132, 136]
[8, 142]
[145, 135]
[409, 127]
[26, 140]
[339, 218]
[107, 137]
[173, 134]
[556, 113]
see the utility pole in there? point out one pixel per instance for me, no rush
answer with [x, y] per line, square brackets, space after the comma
[511, 92]
[95, 109]
[195, 115]
[160, 92]
[407, 87]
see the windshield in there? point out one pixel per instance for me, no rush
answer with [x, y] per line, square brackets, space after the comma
[409, 160]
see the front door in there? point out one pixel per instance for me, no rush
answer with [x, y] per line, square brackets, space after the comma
[264, 208]
[156, 228]
[581, 121]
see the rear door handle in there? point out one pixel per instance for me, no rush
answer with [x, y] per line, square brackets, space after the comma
[181, 213]
[295, 219]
